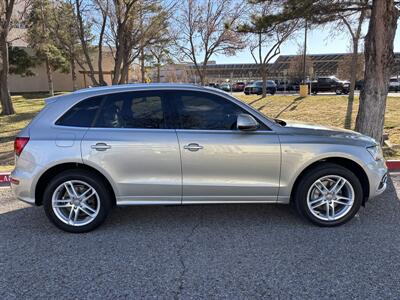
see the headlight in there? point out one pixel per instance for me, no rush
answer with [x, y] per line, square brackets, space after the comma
[376, 152]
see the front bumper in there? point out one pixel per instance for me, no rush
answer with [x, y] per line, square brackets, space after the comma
[378, 175]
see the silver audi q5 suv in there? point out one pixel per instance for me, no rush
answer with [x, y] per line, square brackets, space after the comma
[165, 144]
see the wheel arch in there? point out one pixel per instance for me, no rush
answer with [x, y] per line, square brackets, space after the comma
[347, 163]
[54, 170]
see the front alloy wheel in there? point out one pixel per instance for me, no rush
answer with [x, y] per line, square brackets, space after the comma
[328, 194]
[330, 198]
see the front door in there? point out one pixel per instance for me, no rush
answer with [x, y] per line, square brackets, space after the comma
[132, 143]
[219, 163]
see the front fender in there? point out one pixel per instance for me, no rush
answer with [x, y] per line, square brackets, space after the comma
[297, 158]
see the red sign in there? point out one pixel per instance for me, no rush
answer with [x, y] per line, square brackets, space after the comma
[393, 165]
[4, 178]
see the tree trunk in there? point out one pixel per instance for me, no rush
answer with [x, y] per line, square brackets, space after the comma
[49, 77]
[73, 75]
[379, 58]
[142, 70]
[5, 98]
[202, 74]
[353, 74]
[264, 80]
[117, 65]
[124, 74]
[100, 52]
[158, 70]
[84, 43]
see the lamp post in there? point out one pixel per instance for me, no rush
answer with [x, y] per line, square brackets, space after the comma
[305, 52]
[304, 86]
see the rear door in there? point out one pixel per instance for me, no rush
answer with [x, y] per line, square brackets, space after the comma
[219, 163]
[133, 144]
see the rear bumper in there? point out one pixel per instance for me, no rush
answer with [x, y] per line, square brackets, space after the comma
[24, 179]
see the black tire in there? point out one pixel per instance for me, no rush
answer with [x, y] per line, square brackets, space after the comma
[315, 92]
[311, 176]
[339, 91]
[95, 182]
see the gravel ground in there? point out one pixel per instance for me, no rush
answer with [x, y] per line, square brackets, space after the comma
[220, 251]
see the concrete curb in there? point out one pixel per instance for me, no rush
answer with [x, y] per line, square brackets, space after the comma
[393, 166]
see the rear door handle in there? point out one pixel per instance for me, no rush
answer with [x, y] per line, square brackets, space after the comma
[101, 147]
[193, 147]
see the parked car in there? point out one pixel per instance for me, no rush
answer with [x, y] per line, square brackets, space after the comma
[330, 84]
[214, 85]
[256, 87]
[281, 86]
[226, 87]
[169, 144]
[238, 86]
[394, 85]
[294, 86]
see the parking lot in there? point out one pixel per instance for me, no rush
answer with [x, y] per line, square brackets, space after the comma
[221, 251]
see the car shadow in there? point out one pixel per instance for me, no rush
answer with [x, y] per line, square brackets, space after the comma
[169, 218]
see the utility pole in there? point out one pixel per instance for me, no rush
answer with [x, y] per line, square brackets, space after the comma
[305, 53]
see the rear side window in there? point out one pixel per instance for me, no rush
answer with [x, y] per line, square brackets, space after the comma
[82, 114]
[132, 110]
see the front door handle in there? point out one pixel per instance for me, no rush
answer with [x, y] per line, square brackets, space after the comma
[101, 147]
[193, 147]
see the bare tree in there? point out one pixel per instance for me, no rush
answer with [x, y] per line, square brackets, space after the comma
[267, 38]
[345, 67]
[205, 30]
[296, 69]
[83, 10]
[65, 32]
[134, 26]
[102, 22]
[6, 13]
[379, 58]
[353, 21]
[162, 51]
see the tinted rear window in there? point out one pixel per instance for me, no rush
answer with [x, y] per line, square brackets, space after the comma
[82, 114]
[132, 110]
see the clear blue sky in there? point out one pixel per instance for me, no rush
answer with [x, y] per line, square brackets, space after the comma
[319, 41]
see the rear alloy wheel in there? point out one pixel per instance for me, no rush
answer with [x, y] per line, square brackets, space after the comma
[76, 201]
[329, 195]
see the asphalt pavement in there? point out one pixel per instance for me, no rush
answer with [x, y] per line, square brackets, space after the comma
[193, 252]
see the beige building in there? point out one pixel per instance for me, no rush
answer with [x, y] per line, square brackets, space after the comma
[39, 82]
[62, 81]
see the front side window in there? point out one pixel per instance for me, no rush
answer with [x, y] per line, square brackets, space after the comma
[82, 114]
[205, 111]
[132, 110]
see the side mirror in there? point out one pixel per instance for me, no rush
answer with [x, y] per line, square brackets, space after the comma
[246, 122]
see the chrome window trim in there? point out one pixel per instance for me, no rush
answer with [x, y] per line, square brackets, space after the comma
[226, 131]
[259, 116]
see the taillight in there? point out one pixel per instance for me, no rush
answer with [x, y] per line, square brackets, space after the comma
[19, 144]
